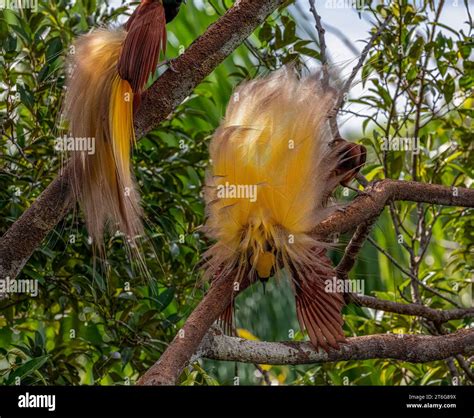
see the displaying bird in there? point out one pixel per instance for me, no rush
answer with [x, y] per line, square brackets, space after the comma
[275, 141]
[109, 72]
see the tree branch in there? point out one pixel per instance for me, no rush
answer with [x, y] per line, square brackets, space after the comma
[169, 90]
[410, 348]
[368, 206]
[169, 367]
[322, 42]
[436, 315]
[197, 62]
[22, 238]
[363, 209]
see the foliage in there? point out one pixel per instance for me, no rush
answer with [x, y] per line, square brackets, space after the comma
[106, 322]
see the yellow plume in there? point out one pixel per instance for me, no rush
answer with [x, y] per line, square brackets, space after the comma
[274, 140]
[99, 105]
[274, 165]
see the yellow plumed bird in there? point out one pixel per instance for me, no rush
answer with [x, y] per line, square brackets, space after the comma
[274, 165]
[109, 70]
[99, 105]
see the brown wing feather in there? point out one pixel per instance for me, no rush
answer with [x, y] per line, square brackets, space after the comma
[318, 311]
[145, 39]
[226, 320]
[131, 19]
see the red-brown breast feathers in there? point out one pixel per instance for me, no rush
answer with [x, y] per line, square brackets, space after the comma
[319, 311]
[146, 38]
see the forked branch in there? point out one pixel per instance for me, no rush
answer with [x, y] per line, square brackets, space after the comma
[363, 210]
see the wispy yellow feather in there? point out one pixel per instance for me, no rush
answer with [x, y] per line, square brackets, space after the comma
[274, 138]
[99, 105]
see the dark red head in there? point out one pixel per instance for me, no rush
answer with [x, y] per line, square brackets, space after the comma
[171, 8]
[351, 158]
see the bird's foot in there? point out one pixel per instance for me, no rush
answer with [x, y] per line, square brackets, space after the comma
[169, 64]
[359, 192]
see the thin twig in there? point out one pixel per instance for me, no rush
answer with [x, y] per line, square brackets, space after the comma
[411, 275]
[322, 42]
[414, 309]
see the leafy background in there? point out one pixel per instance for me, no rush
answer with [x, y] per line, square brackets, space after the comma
[107, 325]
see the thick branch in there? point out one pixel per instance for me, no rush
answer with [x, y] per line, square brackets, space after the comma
[437, 315]
[411, 275]
[22, 238]
[172, 362]
[363, 210]
[199, 60]
[369, 206]
[410, 348]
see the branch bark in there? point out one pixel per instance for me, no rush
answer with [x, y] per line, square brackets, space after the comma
[436, 315]
[169, 367]
[369, 205]
[22, 238]
[411, 348]
[363, 209]
[197, 62]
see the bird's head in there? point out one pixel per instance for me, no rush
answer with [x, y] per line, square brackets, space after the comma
[172, 8]
[350, 159]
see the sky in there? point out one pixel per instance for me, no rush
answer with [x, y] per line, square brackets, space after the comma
[354, 29]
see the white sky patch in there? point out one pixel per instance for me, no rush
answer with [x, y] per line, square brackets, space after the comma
[356, 30]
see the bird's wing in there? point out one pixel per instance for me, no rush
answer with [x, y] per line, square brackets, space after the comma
[131, 19]
[319, 311]
[145, 39]
[226, 320]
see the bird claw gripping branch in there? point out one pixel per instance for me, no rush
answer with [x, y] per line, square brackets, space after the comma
[110, 69]
[276, 140]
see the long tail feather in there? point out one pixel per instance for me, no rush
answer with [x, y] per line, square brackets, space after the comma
[99, 105]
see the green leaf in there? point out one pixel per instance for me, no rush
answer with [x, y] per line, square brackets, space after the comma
[55, 47]
[466, 82]
[448, 88]
[27, 368]
[165, 298]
